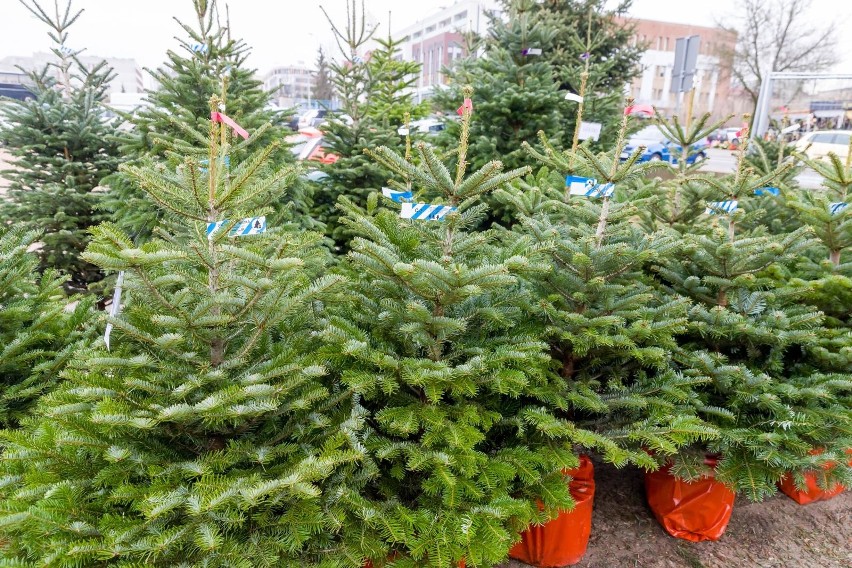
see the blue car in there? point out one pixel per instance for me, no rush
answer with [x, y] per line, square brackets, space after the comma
[659, 148]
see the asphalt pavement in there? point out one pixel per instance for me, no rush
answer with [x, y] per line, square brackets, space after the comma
[724, 162]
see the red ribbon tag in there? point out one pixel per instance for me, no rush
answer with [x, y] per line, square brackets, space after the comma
[466, 105]
[225, 119]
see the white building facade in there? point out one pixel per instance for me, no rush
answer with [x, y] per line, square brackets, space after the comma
[128, 73]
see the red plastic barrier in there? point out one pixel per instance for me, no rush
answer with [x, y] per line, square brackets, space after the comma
[692, 511]
[813, 491]
[563, 540]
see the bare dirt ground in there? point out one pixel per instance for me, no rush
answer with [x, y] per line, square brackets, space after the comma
[777, 533]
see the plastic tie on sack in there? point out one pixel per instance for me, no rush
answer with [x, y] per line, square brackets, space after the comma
[695, 511]
[425, 211]
[246, 227]
[562, 541]
[727, 206]
[588, 187]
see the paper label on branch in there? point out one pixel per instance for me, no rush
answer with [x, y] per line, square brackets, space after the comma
[115, 308]
[467, 105]
[590, 130]
[588, 187]
[767, 191]
[573, 97]
[425, 211]
[402, 131]
[585, 56]
[716, 206]
[836, 208]
[398, 196]
[246, 227]
[532, 51]
[199, 47]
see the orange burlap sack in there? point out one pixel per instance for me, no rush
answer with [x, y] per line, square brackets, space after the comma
[813, 491]
[562, 541]
[692, 511]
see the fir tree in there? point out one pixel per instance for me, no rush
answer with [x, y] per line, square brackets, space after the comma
[40, 328]
[593, 55]
[750, 334]
[374, 90]
[454, 390]
[323, 87]
[610, 336]
[60, 142]
[517, 94]
[208, 62]
[203, 437]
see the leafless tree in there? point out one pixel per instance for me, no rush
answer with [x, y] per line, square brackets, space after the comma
[779, 35]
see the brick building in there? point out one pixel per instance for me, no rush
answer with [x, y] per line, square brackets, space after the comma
[712, 82]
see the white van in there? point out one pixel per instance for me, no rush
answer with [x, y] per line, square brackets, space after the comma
[816, 145]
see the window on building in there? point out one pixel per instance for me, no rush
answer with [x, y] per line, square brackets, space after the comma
[416, 34]
[430, 29]
[445, 23]
[666, 48]
[460, 16]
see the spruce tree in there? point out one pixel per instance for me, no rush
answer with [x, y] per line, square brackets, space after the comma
[209, 61]
[60, 142]
[454, 390]
[375, 93]
[40, 328]
[203, 436]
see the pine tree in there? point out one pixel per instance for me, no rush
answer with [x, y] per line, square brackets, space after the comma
[40, 328]
[374, 89]
[60, 143]
[517, 94]
[209, 62]
[203, 437]
[323, 87]
[608, 332]
[750, 334]
[454, 390]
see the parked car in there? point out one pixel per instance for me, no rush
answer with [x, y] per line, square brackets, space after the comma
[312, 118]
[817, 145]
[430, 126]
[307, 146]
[658, 147]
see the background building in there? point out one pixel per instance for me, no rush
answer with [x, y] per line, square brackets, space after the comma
[712, 82]
[128, 73]
[291, 85]
[437, 41]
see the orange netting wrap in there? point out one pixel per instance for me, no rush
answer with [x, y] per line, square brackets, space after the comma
[562, 541]
[692, 511]
[813, 491]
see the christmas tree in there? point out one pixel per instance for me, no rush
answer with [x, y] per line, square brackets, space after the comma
[750, 334]
[323, 87]
[608, 332]
[208, 62]
[375, 93]
[201, 434]
[40, 328]
[60, 141]
[455, 391]
[517, 93]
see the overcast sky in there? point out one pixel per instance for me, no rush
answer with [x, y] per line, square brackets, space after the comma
[289, 31]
